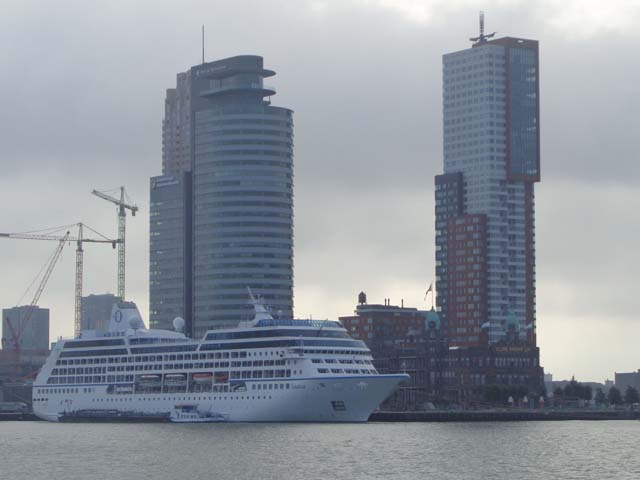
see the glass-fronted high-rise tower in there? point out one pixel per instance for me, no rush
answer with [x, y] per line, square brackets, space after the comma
[485, 242]
[240, 155]
[242, 193]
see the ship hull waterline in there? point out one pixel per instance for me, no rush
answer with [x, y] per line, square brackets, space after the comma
[320, 399]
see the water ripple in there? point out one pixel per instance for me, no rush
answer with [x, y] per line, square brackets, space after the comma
[443, 451]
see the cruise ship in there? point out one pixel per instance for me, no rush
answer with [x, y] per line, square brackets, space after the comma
[264, 370]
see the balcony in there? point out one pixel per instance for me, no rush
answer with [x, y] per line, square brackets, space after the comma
[241, 87]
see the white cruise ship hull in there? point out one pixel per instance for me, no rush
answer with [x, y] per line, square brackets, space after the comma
[264, 370]
[344, 399]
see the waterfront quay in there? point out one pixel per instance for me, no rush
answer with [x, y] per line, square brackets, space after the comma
[524, 415]
[410, 417]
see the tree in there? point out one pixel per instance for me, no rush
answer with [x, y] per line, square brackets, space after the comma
[558, 392]
[600, 397]
[577, 391]
[615, 398]
[587, 392]
[493, 394]
[572, 390]
[631, 395]
[499, 393]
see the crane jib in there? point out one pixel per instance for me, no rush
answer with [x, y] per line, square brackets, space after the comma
[80, 239]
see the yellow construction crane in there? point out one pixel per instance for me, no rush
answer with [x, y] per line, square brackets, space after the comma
[123, 206]
[80, 239]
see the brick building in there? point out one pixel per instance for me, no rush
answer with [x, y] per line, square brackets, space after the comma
[412, 341]
[512, 364]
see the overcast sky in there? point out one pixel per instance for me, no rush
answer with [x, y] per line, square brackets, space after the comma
[82, 94]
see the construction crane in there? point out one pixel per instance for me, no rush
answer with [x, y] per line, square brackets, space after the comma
[123, 206]
[16, 333]
[80, 239]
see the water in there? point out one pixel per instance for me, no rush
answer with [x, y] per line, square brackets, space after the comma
[442, 451]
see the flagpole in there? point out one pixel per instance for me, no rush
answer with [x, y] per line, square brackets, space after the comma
[430, 289]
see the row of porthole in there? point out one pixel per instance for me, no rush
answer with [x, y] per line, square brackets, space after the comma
[64, 390]
[265, 397]
[152, 399]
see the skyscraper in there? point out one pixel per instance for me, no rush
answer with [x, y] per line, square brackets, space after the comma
[240, 200]
[176, 127]
[485, 235]
[170, 242]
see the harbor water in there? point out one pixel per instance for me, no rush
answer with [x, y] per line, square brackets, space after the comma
[435, 451]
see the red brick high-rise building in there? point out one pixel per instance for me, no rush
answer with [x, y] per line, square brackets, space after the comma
[485, 208]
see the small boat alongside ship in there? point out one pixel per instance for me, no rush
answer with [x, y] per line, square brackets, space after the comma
[189, 413]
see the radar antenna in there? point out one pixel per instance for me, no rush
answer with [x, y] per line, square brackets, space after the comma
[260, 311]
[482, 38]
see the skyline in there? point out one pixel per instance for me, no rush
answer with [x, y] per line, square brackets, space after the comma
[349, 180]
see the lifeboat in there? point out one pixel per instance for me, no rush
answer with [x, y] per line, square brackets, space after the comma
[147, 379]
[202, 377]
[175, 378]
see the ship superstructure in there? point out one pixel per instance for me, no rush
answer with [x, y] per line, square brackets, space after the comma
[265, 370]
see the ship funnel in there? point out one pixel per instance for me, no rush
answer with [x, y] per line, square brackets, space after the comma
[125, 316]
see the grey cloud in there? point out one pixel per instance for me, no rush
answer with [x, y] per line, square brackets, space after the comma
[587, 258]
[82, 94]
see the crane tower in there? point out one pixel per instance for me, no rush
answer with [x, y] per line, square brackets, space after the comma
[123, 206]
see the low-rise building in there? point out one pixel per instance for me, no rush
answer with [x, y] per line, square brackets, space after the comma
[492, 372]
[625, 380]
[377, 324]
[22, 364]
[408, 340]
[25, 328]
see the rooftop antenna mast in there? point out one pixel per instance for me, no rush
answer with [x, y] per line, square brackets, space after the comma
[203, 44]
[482, 38]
